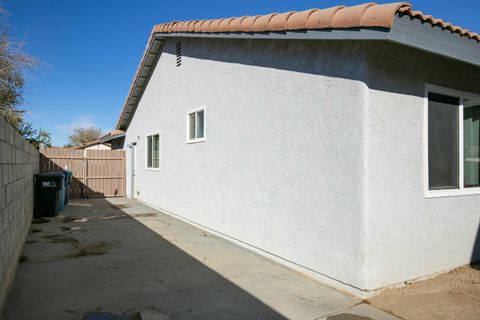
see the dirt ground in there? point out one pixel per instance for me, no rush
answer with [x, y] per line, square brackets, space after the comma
[453, 295]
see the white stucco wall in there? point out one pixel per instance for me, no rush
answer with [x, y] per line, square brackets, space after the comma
[281, 167]
[313, 153]
[408, 235]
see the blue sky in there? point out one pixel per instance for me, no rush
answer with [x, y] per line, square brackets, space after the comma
[90, 49]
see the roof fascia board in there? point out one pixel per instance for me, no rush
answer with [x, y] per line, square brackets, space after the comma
[424, 36]
[110, 138]
[156, 42]
[321, 34]
[405, 30]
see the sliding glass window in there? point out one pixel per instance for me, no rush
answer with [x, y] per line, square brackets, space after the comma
[453, 141]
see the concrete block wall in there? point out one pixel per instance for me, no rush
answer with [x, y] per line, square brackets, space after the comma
[19, 161]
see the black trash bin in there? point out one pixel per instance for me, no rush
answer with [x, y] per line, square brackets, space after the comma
[48, 189]
[68, 181]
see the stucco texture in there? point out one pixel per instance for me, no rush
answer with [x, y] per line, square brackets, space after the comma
[281, 167]
[408, 235]
[313, 153]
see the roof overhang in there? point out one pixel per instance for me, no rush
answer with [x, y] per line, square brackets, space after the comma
[140, 80]
[405, 30]
[112, 136]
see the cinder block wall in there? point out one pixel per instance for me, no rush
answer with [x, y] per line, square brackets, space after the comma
[19, 161]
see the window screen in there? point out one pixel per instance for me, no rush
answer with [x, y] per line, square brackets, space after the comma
[443, 149]
[471, 143]
[196, 126]
[153, 151]
[149, 152]
[200, 124]
[191, 126]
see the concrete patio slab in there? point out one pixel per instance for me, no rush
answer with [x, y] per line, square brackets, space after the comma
[118, 256]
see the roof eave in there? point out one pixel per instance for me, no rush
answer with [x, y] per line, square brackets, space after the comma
[140, 80]
[153, 50]
[422, 35]
[405, 30]
[109, 138]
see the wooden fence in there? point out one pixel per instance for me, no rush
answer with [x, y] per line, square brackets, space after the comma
[96, 173]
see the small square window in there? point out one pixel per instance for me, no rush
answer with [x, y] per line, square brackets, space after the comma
[196, 126]
[153, 151]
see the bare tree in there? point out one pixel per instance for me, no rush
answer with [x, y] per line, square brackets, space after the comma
[82, 136]
[14, 64]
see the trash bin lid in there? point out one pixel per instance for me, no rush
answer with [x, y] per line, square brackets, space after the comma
[50, 174]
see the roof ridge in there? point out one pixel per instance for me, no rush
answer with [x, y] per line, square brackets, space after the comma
[363, 15]
[366, 15]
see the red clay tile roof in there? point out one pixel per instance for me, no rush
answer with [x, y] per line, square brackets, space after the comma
[340, 17]
[368, 15]
[440, 23]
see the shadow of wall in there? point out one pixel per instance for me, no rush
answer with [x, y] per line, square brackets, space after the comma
[101, 258]
[476, 251]
[380, 65]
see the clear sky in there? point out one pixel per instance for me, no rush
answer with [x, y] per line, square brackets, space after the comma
[90, 49]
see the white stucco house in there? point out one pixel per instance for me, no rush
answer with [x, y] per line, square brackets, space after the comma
[343, 142]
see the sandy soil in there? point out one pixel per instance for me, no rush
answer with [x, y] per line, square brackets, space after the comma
[454, 295]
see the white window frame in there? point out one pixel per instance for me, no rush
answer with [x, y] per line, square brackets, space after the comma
[195, 111]
[461, 191]
[159, 151]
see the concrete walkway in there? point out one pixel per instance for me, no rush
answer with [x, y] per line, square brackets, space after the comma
[120, 257]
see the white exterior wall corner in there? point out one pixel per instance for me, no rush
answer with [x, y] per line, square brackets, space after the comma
[281, 168]
[409, 236]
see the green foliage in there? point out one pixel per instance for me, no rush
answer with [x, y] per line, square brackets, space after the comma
[39, 138]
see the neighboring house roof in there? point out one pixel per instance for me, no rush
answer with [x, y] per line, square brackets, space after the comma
[114, 134]
[91, 143]
[396, 22]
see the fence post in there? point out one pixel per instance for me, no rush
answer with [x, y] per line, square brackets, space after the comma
[85, 168]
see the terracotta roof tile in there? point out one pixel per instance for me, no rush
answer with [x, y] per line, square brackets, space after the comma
[366, 15]
[299, 20]
[235, 25]
[351, 17]
[382, 14]
[323, 19]
[438, 22]
[224, 25]
[279, 22]
[262, 22]
[215, 25]
[248, 23]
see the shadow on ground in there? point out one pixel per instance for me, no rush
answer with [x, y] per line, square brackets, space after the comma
[118, 259]
[98, 258]
[475, 260]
